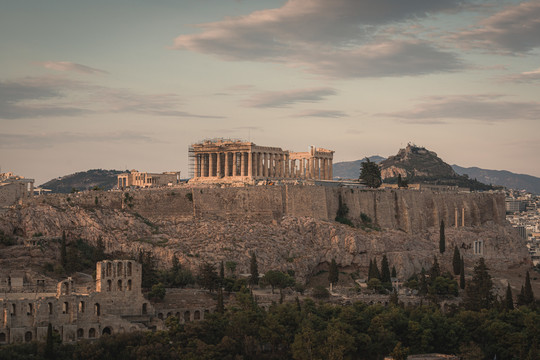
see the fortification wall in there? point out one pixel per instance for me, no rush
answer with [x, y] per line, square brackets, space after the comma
[406, 210]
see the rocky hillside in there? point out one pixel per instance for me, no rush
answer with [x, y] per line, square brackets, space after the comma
[84, 180]
[302, 244]
[414, 162]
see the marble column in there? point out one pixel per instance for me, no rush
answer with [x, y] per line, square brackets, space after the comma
[331, 171]
[210, 164]
[234, 164]
[242, 164]
[218, 169]
[259, 164]
[250, 164]
[226, 164]
[323, 169]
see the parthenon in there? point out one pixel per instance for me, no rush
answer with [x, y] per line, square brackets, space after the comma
[235, 160]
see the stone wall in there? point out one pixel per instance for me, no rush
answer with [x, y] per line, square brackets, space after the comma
[406, 210]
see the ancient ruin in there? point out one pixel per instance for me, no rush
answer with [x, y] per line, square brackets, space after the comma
[13, 188]
[114, 305]
[144, 179]
[235, 160]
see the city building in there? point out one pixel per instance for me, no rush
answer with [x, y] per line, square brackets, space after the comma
[222, 160]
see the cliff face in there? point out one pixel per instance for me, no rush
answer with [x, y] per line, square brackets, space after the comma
[288, 227]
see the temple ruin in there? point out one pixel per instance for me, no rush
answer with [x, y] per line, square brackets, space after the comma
[144, 179]
[236, 160]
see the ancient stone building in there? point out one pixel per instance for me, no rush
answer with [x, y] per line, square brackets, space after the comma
[116, 306]
[234, 160]
[144, 179]
[13, 188]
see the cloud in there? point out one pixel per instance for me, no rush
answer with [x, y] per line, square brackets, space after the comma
[524, 77]
[325, 37]
[514, 29]
[70, 66]
[275, 99]
[321, 113]
[56, 96]
[482, 107]
[45, 140]
[36, 97]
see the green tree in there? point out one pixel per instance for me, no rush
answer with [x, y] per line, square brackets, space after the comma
[370, 174]
[63, 250]
[394, 272]
[333, 273]
[478, 293]
[528, 295]
[442, 238]
[385, 271]
[208, 277]
[277, 279]
[231, 267]
[221, 271]
[462, 274]
[400, 352]
[99, 254]
[376, 274]
[158, 291]
[456, 261]
[49, 353]
[509, 301]
[435, 270]
[220, 307]
[254, 269]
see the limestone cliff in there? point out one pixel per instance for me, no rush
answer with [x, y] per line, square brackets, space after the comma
[288, 227]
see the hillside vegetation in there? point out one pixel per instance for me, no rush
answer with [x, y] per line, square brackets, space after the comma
[84, 180]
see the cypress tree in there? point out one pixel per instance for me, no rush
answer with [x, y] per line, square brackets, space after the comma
[423, 288]
[385, 270]
[478, 293]
[462, 274]
[509, 301]
[333, 273]
[394, 272]
[442, 240]
[221, 272]
[254, 269]
[49, 345]
[456, 261]
[528, 295]
[376, 272]
[220, 308]
[63, 250]
[370, 270]
[435, 270]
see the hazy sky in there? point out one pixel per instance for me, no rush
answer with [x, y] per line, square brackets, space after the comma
[130, 84]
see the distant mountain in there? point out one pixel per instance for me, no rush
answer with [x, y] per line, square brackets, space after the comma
[84, 180]
[502, 178]
[351, 169]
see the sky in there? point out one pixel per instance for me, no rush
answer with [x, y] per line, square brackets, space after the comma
[130, 84]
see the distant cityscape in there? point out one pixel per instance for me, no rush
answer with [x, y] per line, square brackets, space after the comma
[523, 212]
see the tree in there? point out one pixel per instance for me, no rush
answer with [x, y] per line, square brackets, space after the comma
[175, 264]
[528, 295]
[254, 269]
[376, 272]
[509, 301]
[478, 293]
[63, 250]
[333, 273]
[158, 291]
[221, 271]
[220, 307]
[442, 239]
[277, 279]
[49, 353]
[385, 271]
[208, 277]
[99, 254]
[435, 270]
[370, 174]
[456, 261]
[462, 274]
[394, 272]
